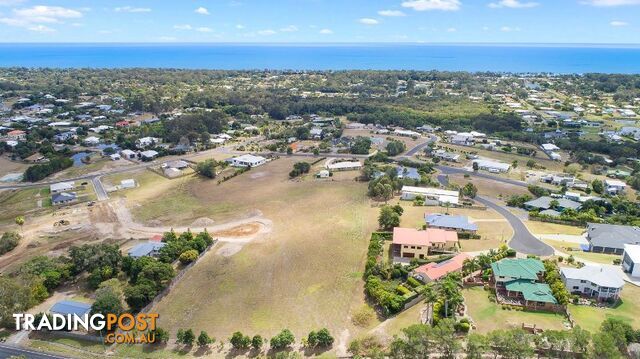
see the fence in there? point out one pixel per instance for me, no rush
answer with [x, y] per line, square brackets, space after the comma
[175, 280]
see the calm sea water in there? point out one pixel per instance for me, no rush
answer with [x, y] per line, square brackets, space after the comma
[555, 59]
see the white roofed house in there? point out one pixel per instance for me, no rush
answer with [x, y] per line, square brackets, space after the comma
[247, 161]
[599, 282]
[463, 138]
[148, 155]
[129, 154]
[631, 260]
[91, 141]
[61, 187]
[441, 196]
[147, 141]
[339, 165]
[492, 166]
[614, 186]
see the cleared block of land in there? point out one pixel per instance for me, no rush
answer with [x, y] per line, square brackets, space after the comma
[304, 275]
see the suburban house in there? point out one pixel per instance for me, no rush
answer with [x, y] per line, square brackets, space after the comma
[611, 238]
[147, 141]
[17, 135]
[599, 282]
[91, 141]
[614, 186]
[127, 183]
[70, 307]
[129, 154]
[408, 173]
[63, 198]
[545, 203]
[449, 222]
[462, 138]
[520, 282]
[631, 259]
[492, 166]
[436, 195]
[446, 156]
[149, 249]
[148, 155]
[412, 243]
[62, 187]
[247, 161]
[333, 165]
[431, 272]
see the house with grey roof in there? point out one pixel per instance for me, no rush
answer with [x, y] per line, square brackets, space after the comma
[66, 307]
[63, 198]
[611, 238]
[455, 223]
[545, 202]
[149, 249]
[599, 282]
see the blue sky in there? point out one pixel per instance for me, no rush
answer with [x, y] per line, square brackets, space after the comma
[330, 21]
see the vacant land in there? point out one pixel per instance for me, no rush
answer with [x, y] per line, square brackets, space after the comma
[541, 228]
[589, 318]
[490, 316]
[574, 249]
[487, 187]
[23, 202]
[7, 166]
[304, 275]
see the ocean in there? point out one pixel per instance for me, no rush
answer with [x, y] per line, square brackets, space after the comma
[499, 58]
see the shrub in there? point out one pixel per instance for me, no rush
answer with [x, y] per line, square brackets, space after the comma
[9, 241]
[403, 290]
[188, 256]
[363, 316]
[284, 339]
[413, 282]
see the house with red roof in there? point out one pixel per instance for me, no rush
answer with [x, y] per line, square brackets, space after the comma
[17, 135]
[411, 243]
[122, 124]
[432, 272]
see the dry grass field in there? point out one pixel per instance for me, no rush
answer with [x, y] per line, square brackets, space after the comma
[487, 187]
[7, 166]
[305, 274]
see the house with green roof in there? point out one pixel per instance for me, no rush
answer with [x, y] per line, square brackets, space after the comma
[521, 282]
[510, 269]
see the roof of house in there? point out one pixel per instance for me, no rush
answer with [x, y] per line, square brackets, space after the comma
[492, 164]
[408, 172]
[149, 153]
[443, 194]
[599, 275]
[65, 307]
[414, 237]
[520, 268]
[63, 197]
[532, 291]
[448, 221]
[633, 251]
[435, 271]
[144, 249]
[612, 235]
[545, 203]
[61, 186]
[249, 158]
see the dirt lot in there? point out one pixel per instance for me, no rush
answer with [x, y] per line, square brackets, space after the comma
[487, 187]
[8, 166]
[304, 275]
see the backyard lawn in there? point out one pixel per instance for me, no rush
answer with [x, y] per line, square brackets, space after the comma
[489, 316]
[589, 318]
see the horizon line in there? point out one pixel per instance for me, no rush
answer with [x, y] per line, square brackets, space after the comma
[346, 43]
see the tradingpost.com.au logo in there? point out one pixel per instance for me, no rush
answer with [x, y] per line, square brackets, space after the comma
[144, 325]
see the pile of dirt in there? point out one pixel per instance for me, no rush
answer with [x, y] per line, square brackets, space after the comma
[240, 231]
[203, 222]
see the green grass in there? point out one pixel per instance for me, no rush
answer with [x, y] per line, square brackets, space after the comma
[590, 318]
[490, 316]
[22, 202]
[573, 249]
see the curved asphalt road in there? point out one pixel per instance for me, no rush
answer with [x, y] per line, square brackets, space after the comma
[522, 241]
